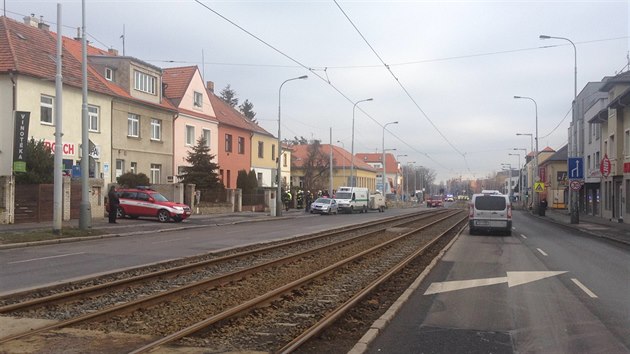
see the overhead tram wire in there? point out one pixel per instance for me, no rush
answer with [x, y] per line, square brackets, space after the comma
[312, 71]
[557, 126]
[401, 85]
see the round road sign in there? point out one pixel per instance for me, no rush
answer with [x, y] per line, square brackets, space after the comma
[575, 185]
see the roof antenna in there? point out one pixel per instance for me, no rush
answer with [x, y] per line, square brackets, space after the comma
[123, 39]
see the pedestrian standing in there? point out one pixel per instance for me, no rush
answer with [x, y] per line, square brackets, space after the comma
[114, 202]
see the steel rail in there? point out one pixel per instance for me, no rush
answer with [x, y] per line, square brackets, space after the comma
[206, 284]
[272, 295]
[334, 315]
[106, 287]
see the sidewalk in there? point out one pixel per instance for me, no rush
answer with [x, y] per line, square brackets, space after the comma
[592, 225]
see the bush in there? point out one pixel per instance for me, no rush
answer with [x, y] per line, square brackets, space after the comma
[132, 180]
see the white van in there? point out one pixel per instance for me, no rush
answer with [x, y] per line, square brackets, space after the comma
[490, 212]
[351, 199]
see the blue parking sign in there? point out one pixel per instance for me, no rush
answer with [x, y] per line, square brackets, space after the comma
[575, 168]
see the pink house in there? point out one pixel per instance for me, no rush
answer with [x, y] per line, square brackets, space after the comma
[195, 119]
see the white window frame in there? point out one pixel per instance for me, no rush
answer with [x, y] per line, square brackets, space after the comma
[207, 136]
[119, 168]
[109, 74]
[133, 167]
[197, 99]
[94, 121]
[156, 172]
[144, 82]
[156, 129]
[48, 107]
[133, 125]
[190, 135]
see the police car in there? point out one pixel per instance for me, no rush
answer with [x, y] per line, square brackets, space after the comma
[136, 202]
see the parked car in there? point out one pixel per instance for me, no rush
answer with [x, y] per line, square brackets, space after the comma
[325, 206]
[136, 202]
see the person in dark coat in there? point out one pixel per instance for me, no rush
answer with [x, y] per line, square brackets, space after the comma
[114, 202]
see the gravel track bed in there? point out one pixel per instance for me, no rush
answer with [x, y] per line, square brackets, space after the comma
[125, 294]
[268, 329]
[108, 278]
[171, 316]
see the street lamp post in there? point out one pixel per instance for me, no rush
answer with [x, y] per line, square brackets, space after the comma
[344, 163]
[535, 175]
[279, 167]
[396, 181]
[520, 172]
[352, 146]
[407, 178]
[509, 186]
[573, 195]
[531, 138]
[383, 146]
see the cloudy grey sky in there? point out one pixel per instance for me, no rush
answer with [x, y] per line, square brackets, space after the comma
[458, 65]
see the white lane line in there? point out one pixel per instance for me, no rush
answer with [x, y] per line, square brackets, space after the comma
[584, 288]
[170, 240]
[542, 252]
[524, 237]
[42, 258]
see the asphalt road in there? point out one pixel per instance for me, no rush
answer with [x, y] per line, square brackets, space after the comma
[24, 268]
[575, 297]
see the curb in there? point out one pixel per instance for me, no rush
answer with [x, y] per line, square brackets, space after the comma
[379, 325]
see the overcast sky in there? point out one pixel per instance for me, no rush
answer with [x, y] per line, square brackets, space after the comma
[458, 66]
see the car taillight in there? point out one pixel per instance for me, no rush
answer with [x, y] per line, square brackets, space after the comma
[509, 213]
[471, 211]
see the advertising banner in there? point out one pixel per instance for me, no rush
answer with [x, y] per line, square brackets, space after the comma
[20, 140]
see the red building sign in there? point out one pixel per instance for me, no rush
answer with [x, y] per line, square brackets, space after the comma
[605, 166]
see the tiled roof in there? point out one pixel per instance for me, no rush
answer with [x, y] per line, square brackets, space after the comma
[341, 157]
[196, 114]
[390, 161]
[32, 51]
[560, 155]
[228, 115]
[177, 81]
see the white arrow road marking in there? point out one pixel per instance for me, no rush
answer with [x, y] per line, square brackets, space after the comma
[513, 279]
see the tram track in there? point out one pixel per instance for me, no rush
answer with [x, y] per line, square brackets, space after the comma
[177, 290]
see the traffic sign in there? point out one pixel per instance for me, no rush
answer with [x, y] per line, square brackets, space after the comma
[575, 167]
[539, 187]
[575, 185]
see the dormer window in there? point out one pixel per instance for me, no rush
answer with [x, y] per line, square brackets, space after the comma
[144, 82]
[198, 99]
[109, 74]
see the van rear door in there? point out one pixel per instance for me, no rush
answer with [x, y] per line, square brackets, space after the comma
[491, 207]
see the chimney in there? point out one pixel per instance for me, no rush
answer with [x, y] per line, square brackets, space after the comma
[210, 86]
[78, 37]
[112, 52]
[42, 25]
[31, 20]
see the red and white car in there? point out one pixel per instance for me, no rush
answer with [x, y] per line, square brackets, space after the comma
[136, 202]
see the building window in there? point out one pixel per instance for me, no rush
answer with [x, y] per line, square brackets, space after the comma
[241, 145]
[109, 74]
[613, 149]
[46, 109]
[261, 149]
[156, 129]
[273, 152]
[93, 118]
[133, 167]
[206, 137]
[144, 82]
[156, 171]
[228, 142]
[190, 135]
[133, 125]
[626, 144]
[284, 160]
[120, 167]
[259, 176]
[198, 99]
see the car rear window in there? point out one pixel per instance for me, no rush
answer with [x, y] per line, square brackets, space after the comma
[488, 202]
